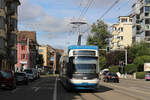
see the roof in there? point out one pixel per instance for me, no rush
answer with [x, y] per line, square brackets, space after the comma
[28, 34]
[82, 47]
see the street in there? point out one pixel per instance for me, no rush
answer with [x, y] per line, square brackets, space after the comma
[50, 88]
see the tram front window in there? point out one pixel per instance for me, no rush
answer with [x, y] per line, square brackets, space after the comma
[84, 68]
[84, 64]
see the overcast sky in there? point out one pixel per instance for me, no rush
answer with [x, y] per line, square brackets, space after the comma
[50, 18]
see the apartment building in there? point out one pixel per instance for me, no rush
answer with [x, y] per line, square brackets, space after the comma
[8, 33]
[45, 51]
[122, 33]
[27, 50]
[141, 21]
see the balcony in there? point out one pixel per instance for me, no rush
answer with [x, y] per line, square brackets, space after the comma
[147, 27]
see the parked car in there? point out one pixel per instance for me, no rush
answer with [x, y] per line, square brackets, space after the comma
[7, 79]
[36, 73]
[21, 77]
[30, 74]
[111, 77]
[147, 76]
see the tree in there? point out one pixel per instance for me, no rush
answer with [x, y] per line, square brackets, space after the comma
[137, 50]
[102, 62]
[131, 68]
[100, 34]
[139, 62]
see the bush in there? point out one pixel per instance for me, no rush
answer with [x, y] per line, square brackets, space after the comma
[140, 75]
[114, 69]
[131, 68]
[139, 62]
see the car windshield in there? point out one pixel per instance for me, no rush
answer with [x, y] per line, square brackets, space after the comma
[19, 74]
[28, 71]
[6, 74]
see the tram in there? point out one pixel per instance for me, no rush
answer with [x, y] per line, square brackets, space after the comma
[79, 67]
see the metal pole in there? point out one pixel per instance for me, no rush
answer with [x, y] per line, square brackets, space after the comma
[79, 39]
[126, 56]
[79, 36]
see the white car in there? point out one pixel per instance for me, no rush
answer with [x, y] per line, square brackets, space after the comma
[30, 73]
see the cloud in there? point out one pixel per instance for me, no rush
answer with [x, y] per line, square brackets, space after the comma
[29, 11]
[33, 16]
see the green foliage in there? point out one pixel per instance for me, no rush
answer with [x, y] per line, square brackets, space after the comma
[100, 34]
[139, 62]
[102, 62]
[137, 50]
[140, 75]
[131, 68]
[114, 69]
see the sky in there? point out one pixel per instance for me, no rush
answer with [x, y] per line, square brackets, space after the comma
[51, 18]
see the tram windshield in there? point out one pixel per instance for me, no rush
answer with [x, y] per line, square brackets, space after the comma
[84, 64]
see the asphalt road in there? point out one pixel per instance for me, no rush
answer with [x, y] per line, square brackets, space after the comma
[50, 88]
[41, 89]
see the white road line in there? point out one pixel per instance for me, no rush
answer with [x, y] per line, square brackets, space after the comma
[36, 89]
[55, 91]
[14, 90]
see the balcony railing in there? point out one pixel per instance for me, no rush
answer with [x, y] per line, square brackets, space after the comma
[147, 27]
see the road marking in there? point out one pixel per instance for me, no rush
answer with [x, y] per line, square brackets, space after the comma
[55, 90]
[14, 91]
[36, 89]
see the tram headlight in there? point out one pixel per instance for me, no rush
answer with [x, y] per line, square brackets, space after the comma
[76, 72]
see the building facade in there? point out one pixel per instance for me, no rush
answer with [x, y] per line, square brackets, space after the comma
[46, 52]
[122, 33]
[8, 33]
[27, 50]
[141, 21]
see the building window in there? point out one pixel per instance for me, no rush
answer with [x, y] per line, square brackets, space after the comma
[23, 47]
[120, 29]
[130, 20]
[2, 22]
[147, 33]
[2, 4]
[115, 28]
[147, 21]
[121, 37]
[147, 9]
[124, 20]
[147, 1]
[23, 56]
[2, 43]
[41, 50]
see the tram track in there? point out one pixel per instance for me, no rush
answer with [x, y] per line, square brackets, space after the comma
[133, 94]
[100, 98]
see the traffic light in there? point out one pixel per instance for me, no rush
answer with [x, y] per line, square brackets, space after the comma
[107, 49]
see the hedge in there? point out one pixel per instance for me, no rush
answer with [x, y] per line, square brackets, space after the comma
[140, 75]
[131, 68]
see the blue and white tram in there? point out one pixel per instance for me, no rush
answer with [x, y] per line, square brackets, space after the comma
[80, 67]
